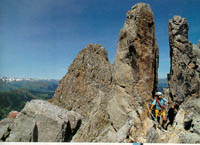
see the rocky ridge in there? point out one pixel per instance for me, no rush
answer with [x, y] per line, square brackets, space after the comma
[124, 108]
[87, 78]
[109, 103]
[184, 87]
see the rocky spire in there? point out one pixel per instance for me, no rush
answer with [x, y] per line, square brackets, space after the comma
[184, 79]
[136, 61]
[184, 84]
[113, 106]
[87, 76]
[136, 64]
[122, 112]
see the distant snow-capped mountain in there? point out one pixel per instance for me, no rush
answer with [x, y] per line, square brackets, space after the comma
[7, 79]
[34, 84]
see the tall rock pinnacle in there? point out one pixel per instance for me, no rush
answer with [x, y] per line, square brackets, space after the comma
[135, 69]
[122, 112]
[136, 61]
[184, 79]
[184, 84]
[109, 103]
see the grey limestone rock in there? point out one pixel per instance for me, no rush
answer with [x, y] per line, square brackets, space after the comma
[24, 129]
[152, 135]
[41, 121]
[123, 132]
[54, 124]
[5, 126]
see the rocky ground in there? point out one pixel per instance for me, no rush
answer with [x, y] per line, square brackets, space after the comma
[101, 102]
[40, 121]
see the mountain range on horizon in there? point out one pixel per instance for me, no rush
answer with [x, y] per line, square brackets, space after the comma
[9, 79]
[15, 92]
[100, 101]
[33, 89]
[43, 85]
[17, 82]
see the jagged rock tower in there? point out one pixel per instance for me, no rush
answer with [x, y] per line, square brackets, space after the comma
[184, 77]
[88, 77]
[136, 61]
[122, 112]
[184, 83]
[112, 99]
[184, 87]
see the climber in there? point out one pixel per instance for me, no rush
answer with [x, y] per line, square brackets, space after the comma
[171, 114]
[159, 102]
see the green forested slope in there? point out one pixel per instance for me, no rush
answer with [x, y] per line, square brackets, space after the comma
[16, 99]
[15, 94]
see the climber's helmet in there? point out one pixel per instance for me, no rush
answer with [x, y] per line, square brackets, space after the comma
[159, 94]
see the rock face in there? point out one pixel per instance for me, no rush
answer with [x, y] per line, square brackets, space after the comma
[186, 126]
[88, 75]
[136, 61]
[43, 122]
[184, 79]
[184, 82]
[113, 99]
[5, 126]
[122, 111]
[190, 121]
[184, 85]
[24, 129]
[135, 70]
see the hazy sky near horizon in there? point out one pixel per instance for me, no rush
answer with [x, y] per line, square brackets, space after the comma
[41, 38]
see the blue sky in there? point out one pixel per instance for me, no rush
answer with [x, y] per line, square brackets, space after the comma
[41, 38]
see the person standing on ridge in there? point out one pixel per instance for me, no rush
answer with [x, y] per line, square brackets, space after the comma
[159, 102]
